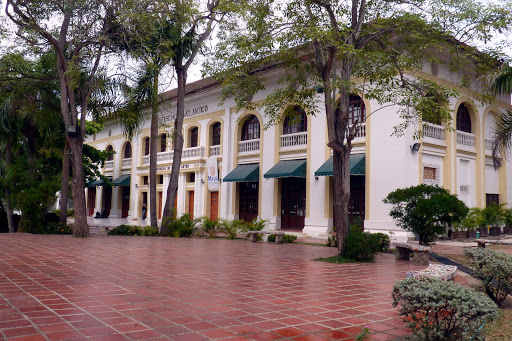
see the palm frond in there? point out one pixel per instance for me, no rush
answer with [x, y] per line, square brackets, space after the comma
[502, 141]
[503, 83]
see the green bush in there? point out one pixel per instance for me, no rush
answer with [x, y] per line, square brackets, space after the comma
[494, 269]
[360, 245]
[442, 311]
[184, 226]
[257, 224]
[383, 240]
[233, 228]
[71, 212]
[133, 230]
[289, 238]
[209, 227]
[57, 228]
[332, 240]
[271, 238]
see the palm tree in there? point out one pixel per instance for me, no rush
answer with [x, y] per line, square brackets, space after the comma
[502, 140]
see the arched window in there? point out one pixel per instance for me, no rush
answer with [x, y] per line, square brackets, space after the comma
[463, 119]
[251, 129]
[146, 146]
[163, 143]
[193, 137]
[128, 151]
[111, 156]
[295, 121]
[356, 110]
[216, 134]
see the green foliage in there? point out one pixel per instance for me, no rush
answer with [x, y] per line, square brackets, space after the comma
[233, 228]
[133, 230]
[336, 260]
[3, 221]
[289, 238]
[361, 246]
[332, 240]
[494, 269]
[363, 335]
[183, 226]
[442, 310]
[56, 228]
[271, 238]
[257, 224]
[383, 240]
[424, 210]
[209, 227]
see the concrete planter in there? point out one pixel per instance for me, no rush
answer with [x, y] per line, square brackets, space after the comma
[507, 230]
[495, 230]
[279, 239]
[483, 231]
[471, 234]
[460, 234]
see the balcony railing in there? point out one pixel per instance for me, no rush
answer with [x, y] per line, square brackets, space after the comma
[109, 165]
[214, 150]
[294, 140]
[192, 152]
[127, 163]
[433, 131]
[164, 156]
[465, 139]
[488, 144]
[360, 131]
[249, 146]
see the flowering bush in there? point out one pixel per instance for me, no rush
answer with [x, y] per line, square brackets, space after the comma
[442, 311]
[494, 269]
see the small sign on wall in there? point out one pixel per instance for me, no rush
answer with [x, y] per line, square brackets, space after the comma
[212, 174]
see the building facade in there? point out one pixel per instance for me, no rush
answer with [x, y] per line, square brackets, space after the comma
[235, 166]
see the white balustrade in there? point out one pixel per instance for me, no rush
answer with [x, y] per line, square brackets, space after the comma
[433, 131]
[360, 131]
[249, 146]
[127, 163]
[109, 165]
[465, 139]
[165, 156]
[488, 144]
[293, 140]
[214, 150]
[192, 152]
[145, 160]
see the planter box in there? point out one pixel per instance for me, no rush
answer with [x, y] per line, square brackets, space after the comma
[495, 230]
[483, 231]
[507, 230]
[471, 234]
[460, 234]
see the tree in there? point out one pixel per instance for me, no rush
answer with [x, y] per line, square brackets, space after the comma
[333, 43]
[424, 210]
[502, 139]
[77, 35]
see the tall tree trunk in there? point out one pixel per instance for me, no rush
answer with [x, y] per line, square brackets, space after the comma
[153, 154]
[77, 186]
[64, 187]
[8, 206]
[172, 189]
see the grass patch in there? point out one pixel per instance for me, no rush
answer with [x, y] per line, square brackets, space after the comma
[500, 329]
[336, 260]
[311, 244]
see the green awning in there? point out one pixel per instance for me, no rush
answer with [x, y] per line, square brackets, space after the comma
[244, 173]
[123, 180]
[96, 183]
[357, 166]
[287, 169]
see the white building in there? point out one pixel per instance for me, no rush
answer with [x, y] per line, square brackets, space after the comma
[282, 173]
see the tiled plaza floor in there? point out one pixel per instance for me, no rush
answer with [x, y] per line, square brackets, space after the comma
[138, 288]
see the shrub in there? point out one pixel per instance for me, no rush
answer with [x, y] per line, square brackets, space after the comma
[209, 227]
[184, 226]
[57, 228]
[383, 240]
[494, 269]
[71, 212]
[442, 311]
[257, 224]
[234, 227]
[332, 240]
[133, 230]
[360, 245]
[289, 238]
[424, 210]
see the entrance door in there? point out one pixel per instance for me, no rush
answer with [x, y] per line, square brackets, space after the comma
[108, 200]
[191, 203]
[248, 204]
[293, 203]
[214, 205]
[125, 205]
[91, 199]
[356, 205]
[159, 205]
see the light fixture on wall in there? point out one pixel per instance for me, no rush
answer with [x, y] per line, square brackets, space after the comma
[136, 186]
[202, 182]
[415, 147]
[316, 177]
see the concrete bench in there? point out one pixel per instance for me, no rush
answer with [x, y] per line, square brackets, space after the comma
[253, 235]
[482, 242]
[440, 271]
[419, 252]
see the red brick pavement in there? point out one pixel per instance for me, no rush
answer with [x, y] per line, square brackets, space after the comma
[153, 288]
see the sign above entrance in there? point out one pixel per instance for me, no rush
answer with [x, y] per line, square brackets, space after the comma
[212, 173]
